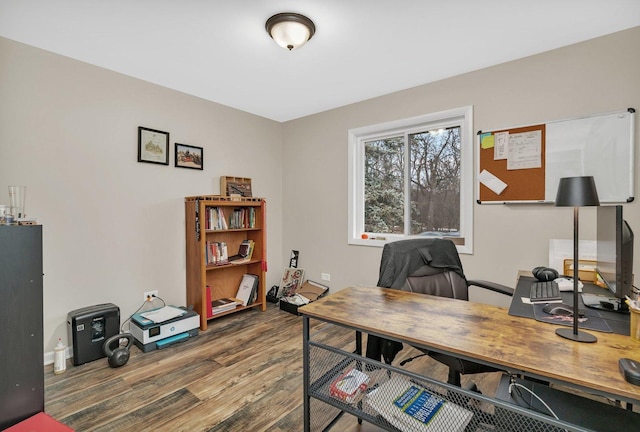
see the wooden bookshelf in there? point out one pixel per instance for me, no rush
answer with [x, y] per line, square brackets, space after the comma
[223, 279]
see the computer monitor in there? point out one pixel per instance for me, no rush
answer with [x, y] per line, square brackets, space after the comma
[615, 253]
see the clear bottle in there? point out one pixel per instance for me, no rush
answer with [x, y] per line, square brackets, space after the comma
[59, 358]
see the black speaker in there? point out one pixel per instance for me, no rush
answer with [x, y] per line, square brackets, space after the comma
[118, 354]
[544, 273]
[89, 327]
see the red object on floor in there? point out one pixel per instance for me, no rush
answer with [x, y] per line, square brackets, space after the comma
[40, 422]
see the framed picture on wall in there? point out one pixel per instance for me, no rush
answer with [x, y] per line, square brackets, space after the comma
[153, 146]
[188, 156]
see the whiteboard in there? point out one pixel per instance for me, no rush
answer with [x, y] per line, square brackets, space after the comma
[601, 146]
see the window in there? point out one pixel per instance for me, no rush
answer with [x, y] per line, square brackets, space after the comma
[411, 178]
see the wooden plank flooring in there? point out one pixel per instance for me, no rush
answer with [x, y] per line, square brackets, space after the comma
[244, 373]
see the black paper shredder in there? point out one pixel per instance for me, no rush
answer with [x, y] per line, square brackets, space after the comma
[89, 327]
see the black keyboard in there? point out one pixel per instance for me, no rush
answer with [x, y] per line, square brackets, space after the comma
[545, 291]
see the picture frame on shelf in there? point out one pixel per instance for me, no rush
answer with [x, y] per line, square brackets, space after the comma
[235, 186]
[153, 146]
[187, 156]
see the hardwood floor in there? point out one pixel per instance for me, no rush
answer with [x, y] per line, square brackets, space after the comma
[244, 373]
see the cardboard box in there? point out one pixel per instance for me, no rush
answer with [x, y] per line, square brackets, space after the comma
[289, 307]
[586, 270]
[311, 290]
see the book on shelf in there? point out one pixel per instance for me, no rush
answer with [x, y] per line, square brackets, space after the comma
[245, 252]
[243, 217]
[216, 253]
[214, 219]
[248, 289]
[223, 305]
[408, 406]
[349, 386]
[208, 303]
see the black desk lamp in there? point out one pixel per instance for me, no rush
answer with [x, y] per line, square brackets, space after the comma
[576, 192]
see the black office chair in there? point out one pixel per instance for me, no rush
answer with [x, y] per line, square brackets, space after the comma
[428, 266]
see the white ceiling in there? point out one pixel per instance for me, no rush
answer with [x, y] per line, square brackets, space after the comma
[219, 50]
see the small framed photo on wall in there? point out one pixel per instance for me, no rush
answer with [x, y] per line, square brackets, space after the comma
[189, 157]
[153, 146]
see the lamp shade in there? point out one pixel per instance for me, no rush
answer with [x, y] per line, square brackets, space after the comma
[577, 192]
[290, 30]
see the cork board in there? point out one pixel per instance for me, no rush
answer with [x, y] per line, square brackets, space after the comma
[537, 156]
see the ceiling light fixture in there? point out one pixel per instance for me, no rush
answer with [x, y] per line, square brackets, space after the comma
[290, 30]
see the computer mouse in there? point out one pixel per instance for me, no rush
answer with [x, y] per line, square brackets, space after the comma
[560, 309]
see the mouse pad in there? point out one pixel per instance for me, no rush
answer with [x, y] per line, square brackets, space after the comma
[591, 321]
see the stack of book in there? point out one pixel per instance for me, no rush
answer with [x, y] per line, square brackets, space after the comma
[224, 304]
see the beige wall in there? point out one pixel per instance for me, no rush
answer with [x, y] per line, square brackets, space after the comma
[114, 228]
[592, 77]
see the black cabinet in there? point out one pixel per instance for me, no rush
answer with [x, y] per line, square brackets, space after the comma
[21, 339]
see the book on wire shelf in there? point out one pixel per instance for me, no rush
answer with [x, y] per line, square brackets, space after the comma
[349, 386]
[409, 407]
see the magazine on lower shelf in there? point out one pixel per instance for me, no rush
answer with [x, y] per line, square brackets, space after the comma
[409, 407]
[247, 291]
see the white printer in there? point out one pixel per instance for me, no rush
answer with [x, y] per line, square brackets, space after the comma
[150, 331]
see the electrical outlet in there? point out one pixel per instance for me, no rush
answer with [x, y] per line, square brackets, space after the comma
[149, 294]
[325, 276]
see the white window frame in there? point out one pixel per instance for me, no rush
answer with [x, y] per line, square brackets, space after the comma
[357, 137]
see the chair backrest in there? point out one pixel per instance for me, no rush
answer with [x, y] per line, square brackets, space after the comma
[438, 282]
[423, 265]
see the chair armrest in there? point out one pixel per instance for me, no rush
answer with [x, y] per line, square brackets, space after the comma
[492, 286]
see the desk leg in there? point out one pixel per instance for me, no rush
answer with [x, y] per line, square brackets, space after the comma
[305, 372]
[358, 351]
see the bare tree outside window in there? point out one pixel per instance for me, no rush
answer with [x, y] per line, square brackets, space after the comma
[434, 183]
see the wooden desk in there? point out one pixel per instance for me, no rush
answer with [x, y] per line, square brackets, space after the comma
[483, 333]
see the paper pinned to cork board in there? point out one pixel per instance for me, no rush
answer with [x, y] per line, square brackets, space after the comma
[492, 182]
